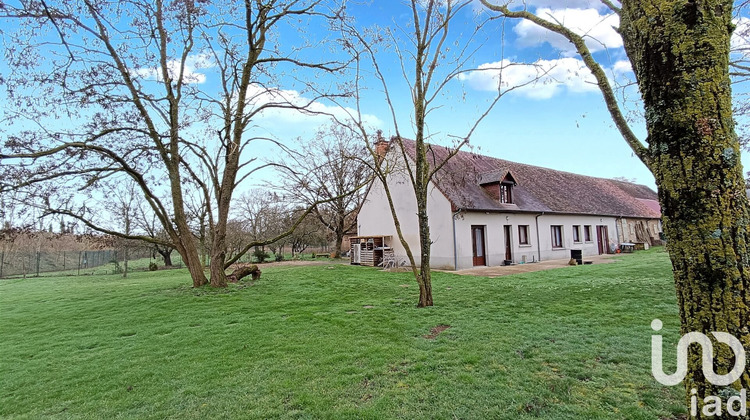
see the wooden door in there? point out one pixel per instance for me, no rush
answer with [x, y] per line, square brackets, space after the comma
[602, 238]
[478, 245]
[508, 243]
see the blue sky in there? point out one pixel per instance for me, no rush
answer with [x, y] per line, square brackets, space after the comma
[560, 122]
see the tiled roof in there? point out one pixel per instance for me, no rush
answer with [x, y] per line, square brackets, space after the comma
[538, 189]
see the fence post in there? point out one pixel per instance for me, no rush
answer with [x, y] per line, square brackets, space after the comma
[2, 263]
[38, 259]
[79, 262]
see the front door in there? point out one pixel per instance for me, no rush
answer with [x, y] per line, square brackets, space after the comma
[477, 240]
[602, 237]
[356, 254]
[508, 252]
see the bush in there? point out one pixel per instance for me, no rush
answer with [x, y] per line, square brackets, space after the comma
[279, 257]
[152, 266]
[260, 255]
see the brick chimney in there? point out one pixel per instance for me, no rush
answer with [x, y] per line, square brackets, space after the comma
[381, 145]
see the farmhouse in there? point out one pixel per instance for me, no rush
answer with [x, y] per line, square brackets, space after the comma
[487, 211]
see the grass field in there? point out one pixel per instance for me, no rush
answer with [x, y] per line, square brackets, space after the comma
[336, 341]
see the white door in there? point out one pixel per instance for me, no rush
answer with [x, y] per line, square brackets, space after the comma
[356, 257]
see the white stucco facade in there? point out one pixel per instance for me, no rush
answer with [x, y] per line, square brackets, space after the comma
[451, 230]
[539, 236]
[375, 219]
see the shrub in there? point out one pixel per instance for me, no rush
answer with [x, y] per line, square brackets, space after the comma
[152, 266]
[279, 257]
[260, 255]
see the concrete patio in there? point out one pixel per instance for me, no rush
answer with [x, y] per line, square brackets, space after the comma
[499, 271]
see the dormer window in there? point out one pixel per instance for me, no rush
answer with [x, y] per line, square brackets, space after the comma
[498, 185]
[506, 194]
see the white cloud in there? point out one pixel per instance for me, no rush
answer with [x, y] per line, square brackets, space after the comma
[540, 80]
[193, 63]
[291, 107]
[622, 67]
[596, 28]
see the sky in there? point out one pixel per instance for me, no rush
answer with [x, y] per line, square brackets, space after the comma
[558, 121]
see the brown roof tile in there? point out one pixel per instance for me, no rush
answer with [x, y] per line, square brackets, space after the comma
[538, 189]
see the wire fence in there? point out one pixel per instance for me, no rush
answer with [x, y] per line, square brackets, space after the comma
[24, 264]
[72, 263]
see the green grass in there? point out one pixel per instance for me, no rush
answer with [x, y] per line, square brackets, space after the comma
[572, 343]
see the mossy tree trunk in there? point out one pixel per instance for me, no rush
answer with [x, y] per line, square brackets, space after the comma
[679, 50]
[680, 53]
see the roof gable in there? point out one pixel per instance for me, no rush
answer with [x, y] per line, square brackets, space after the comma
[498, 176]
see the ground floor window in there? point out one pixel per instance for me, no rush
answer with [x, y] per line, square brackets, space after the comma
[523, 234]
[557, 238]
[577, 233]
[587, 233]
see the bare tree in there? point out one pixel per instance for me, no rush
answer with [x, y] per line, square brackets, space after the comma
[127, 80]
[739, 70]
[147, 222]
[259, 210]
[310, 232]
[431, 57]
[679, 51]
[330, 167]
[121, 202]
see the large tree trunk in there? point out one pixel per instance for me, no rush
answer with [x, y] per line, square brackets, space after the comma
[166, 254]
[339, 237]
[218, 275]
[219, 235]
[244, 271]
[680, 53]
[193, 263]
[189, 252]
[219, 232]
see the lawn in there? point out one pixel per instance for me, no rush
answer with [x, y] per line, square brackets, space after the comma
[337, 341]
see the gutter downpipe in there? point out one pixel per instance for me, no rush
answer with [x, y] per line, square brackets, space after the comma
[455, 248]
[538, 244]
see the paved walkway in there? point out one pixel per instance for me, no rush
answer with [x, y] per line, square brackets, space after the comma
[498, 271]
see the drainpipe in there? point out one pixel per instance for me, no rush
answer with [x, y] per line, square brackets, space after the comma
[455, 248]
[538, 244]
